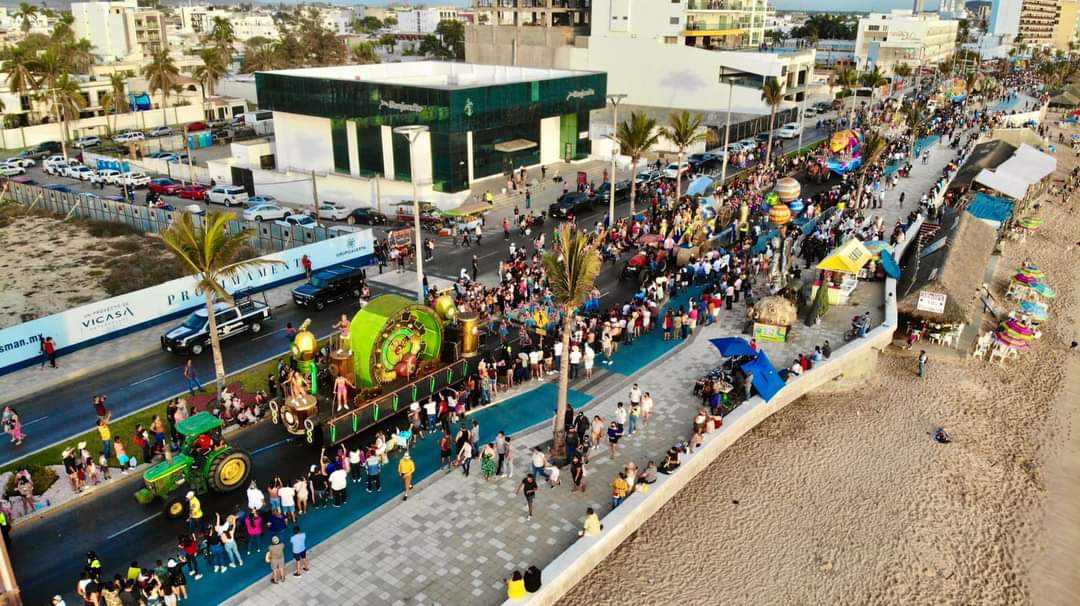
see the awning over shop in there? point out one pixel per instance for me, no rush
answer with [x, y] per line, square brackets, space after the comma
[942, 276]
[1012, 178]
[1002, 183]
[849, 257]
[515, 145]
[994, 210]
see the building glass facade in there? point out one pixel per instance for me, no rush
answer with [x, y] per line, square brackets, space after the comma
[495, 114]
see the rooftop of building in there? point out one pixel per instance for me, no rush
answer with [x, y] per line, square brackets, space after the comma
[434, 74]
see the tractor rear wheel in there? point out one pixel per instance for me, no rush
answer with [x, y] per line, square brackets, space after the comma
[230, 471]
[176, 508]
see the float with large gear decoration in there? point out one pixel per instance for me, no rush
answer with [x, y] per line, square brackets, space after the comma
[399, 352]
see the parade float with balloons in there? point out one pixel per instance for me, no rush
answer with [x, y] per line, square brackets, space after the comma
[845, 151]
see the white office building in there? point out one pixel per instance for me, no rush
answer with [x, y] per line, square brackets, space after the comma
[885, 40]
[119, 30]
[424, 20]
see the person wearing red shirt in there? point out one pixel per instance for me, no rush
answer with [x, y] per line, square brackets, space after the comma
[48, 352]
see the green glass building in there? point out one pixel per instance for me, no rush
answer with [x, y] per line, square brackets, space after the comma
[484, 119]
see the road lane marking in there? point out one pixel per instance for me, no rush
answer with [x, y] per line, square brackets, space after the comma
[35, 421]
[269, 446]
[152, 377]
[263, 336]
[133, 526]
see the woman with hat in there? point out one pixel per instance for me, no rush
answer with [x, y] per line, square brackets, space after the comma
[275, 557]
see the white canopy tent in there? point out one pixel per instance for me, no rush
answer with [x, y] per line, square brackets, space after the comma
[1012, 178]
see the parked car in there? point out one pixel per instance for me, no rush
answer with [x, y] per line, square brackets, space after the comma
[193, 209]
[160, 131]
[762, 137]
[229, 195]
[24, 159]
[822, 107]
[700, 160]
[11, 170]
[574, 202]
[366, 216]
[193, 335]
[259, 200]
[56, 165]
[602, 197]
[298, 220]
[176, 158]
[164, 186]
[134, 179]
[159, 154]
[59, 187]
[789, 130]
[197, 126]
[84, 142]
[106, 175]
[129, 137]
[192, 192]
[44, 149]
[647, 176]
[329, 285]
[746, 145]
[333, 211]
[675, 170]
[81, 172]
[264, 212]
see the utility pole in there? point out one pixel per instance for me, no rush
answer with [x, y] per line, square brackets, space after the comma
[727, 130]
[615, 98]
[315, 195]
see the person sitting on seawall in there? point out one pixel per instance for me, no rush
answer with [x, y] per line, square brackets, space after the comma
[515, 586]
[671, 461]
[649, 475]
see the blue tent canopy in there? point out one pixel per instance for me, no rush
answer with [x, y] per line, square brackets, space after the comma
[764, 376]
[888, 263]
[995, 210]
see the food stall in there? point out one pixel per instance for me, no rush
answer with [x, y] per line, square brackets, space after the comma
[840, 271]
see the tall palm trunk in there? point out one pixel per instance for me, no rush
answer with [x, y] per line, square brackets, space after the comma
[164, 106]
[859, 192]
[768, 150]
[558, 446]
[678, 176]
[633, 188]
[215, 344]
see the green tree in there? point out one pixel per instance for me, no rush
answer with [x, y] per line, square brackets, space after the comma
[773, 96]
[913, 120]
[873, 146]
[223, 37]
[572, 267]
[26, 13]
[116, 100]
[389, 41]
[448, 41]
[902, 71]
[846, 78]
[873, 80]
[161, 75]
[683, 130]
[260, 58]
[364, 54]
[636, 137]
[212, 69]
[210, 254]
[20, 66]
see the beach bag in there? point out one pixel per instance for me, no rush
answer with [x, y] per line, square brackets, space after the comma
[532, 579]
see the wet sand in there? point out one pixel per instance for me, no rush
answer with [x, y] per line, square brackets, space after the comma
[846, 499]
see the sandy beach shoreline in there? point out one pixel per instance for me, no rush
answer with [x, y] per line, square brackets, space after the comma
[844, 498]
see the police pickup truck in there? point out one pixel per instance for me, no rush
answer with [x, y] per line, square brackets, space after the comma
[329, 285]
[193, 336]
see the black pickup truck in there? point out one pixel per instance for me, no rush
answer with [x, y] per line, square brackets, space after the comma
[329, 285]
[193, 336]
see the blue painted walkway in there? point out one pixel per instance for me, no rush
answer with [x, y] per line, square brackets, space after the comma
[925, 142]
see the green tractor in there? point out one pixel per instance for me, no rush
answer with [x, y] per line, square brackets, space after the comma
[205, 462]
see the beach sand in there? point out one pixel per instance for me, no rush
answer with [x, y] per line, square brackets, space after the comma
[845, 498]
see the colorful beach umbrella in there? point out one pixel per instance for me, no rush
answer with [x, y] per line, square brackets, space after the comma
[1031, 223]
[1043, 289]
[1025, 279]
[1030, 269]
[1033, 309]
[1010, 341]
[1017, 330]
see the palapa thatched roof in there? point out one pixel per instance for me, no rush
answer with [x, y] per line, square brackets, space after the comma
[990, 154]
[951, 262]
[776, 311]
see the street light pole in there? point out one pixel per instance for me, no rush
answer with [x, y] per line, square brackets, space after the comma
[614, 99]
[412, 133]
[802, 118]
[727, 132]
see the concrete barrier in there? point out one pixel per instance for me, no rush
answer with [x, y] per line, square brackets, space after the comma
[573, 564]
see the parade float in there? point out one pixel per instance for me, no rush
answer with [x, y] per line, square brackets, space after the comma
[397, 352]
[845, 151]
[773, 317]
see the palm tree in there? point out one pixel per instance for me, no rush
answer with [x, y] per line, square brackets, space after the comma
[636, 136]
[26, 13]
[209, 253]
[902, 71]
[117, 95]
[261, 58]
[161, 75]
[773, 96]
[20, 67]
[913, 119]
[52, 68]
[211, 70]
[572, 267]
[873, 80]
[80, 55]
[945, 67]
[69, 101]
[847, 78]
[364, 54]
[683, 130]
[224, 37]
[873, 146]
[389, 41]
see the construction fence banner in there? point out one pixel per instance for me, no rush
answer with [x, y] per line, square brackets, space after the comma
[97, 322]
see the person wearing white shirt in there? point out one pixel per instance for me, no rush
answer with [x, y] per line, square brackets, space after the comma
[620, 414]
[635, 395]
[339, 481]
[575, 361]
[256, 500]
[287, 494]
[558, 357]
